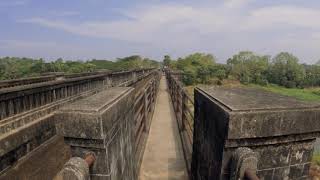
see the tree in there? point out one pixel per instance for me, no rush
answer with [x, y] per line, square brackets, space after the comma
[166, 61]
[104, 64]
[248, 67]
[286, 71]
[38, 66]
[129, 63]
[312, 75]
[196, 68]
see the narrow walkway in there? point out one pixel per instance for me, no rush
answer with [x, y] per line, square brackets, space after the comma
[163, 158]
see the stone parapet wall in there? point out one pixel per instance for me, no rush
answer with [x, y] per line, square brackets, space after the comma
[46, 77]
[19, 99]
[25, 131]
[103, 124]
[25, 81]
[279, 129]
[42, 163]
[114, 124]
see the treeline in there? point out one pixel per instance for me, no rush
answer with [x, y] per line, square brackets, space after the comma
[247, 67]
[13, 67]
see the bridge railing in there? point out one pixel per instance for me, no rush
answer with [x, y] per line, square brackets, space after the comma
[46, 77]
[183, 106]
[25, 81]
[16, 100]
[145, 97]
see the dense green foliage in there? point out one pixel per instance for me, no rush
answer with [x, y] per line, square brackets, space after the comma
[12, 67]
[248, 68]
[286, 71]
[199, 68]
[134, 62]
[312, 77]
[166, 61]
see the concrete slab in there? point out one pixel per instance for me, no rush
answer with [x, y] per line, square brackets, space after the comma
[244, 99]
[163, 158]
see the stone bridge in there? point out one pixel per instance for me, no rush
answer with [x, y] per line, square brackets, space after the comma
[142, 124]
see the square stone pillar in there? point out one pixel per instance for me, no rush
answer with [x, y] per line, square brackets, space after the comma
[280, 129]
[102, 123]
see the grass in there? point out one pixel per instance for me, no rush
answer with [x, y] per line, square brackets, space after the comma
[307, 94]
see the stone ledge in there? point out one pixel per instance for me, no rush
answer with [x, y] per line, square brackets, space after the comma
[252, 99]
[42, 163]
[94, 116]
[254, 113]
[97, 102]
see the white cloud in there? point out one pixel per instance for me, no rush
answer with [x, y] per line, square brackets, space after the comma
[271, 17]
[183, 28]
[144, 23]
[175, 20]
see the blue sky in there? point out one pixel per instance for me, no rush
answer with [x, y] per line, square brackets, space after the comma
[106, 29]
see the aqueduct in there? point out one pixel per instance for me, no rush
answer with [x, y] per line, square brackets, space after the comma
[142, 124]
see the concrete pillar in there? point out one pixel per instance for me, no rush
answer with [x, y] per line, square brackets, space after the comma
[31, 101]
[279, 129]
[3, 108]
[10, 107]
[134, 76]
[42, 98]
[145, 110]
[16, 105]
[102, 123]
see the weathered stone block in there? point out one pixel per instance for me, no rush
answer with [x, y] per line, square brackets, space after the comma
[280, 129]
[43, 163]
[18, 144]
[75, 169]
[103, 124]
[265, 174]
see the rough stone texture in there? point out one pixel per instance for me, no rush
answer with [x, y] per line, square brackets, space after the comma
[75, 169]
[43, 163]
[25, 81]
[16, 144]
[26, 110]
[103, 124]
[282, 130]
[243, 159]
[18, 99]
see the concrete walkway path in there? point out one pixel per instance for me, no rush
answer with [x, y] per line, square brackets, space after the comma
[163, 158]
